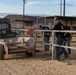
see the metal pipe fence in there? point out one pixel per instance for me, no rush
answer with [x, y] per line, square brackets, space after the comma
[53, 39]
[52, 43]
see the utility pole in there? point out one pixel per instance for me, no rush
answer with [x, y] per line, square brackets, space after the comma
[64, 8]
[23, 11]
[60, 7]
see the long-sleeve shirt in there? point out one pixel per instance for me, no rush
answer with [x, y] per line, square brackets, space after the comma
[59, 26]
[46, 34]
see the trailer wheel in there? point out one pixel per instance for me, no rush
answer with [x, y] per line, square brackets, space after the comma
[1, 52]
[29, 54]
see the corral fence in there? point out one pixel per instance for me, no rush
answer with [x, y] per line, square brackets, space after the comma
[52, 42]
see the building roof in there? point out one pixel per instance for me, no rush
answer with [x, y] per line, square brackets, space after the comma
[62, 17]
[20, 17]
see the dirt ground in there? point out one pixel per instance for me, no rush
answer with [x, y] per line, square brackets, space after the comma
[20, 64]
[40, 64]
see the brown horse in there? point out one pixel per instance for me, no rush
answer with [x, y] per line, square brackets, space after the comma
[72, 28]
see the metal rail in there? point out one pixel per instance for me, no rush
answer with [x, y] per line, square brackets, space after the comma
[52, 39]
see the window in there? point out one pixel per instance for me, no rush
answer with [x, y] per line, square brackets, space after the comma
[4, 26]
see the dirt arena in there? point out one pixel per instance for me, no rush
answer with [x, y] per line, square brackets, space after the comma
[20, 64]
[41, 64]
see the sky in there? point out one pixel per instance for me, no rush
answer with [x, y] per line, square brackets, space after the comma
[47, 7]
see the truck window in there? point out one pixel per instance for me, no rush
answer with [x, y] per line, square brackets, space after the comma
[4, 26]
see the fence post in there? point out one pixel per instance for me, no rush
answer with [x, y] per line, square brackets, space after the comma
[35, 37]
[43, 41]
[43, 37]
[52, 45]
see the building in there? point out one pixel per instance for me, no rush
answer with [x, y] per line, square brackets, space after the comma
[18, 22]
[29, 21]
[34, 21]
[45, 21]
[66, 20]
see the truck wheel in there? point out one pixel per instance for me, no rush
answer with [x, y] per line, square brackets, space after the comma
[29, 54]
[1, 52]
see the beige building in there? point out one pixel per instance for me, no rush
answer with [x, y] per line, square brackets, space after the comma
[18, 22]
[34, 21]
[66, 20]
[29, 21]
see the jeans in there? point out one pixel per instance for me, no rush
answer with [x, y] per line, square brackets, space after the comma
[68, 44]
[59, 50]
[46, 40]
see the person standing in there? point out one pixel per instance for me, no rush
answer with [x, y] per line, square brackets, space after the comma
[46, 36]
[59, 39]
[67, 37]
[30, 42]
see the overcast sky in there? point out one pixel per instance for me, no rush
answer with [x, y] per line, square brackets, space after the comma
[48, 7]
